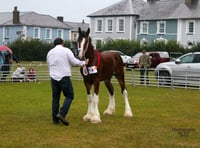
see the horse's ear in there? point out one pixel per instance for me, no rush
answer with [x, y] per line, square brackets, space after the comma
[88, 31]
[79, 30]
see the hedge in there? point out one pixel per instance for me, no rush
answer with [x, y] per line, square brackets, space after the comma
[36, 50]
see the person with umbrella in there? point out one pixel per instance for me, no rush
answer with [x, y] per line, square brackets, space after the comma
[6, 58]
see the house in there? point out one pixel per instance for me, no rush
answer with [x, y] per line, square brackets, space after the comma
[150, 21]
[173, 20]
[74, 30]
[116, 21]
[31, 25]
[74, 33]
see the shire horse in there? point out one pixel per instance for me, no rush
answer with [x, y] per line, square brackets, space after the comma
[101, 67]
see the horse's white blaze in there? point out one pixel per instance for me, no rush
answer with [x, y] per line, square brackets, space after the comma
[111, 106]
[81, 48]
[128, 111]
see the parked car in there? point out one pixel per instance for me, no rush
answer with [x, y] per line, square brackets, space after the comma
[125, 58]
[157, 57]
[185, 69]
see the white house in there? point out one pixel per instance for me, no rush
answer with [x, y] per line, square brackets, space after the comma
[116, 21]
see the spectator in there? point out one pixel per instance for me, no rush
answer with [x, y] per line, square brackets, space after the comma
[144, 64]
[8, 58]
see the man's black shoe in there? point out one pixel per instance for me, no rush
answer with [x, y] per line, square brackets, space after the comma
[62, 119]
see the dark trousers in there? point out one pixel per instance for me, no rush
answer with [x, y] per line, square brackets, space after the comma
[64, 85]
[5, 71]
[144, 71]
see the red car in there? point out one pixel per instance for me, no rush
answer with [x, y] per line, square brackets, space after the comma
[157, 57]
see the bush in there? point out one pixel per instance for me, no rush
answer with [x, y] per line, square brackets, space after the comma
[126, 46]
[36, 50]
[132, 47]
[32, 50]
[195, 47]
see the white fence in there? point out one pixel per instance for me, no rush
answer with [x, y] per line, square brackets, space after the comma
[132, 77]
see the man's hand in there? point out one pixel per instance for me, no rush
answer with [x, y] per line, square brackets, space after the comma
[86, 61]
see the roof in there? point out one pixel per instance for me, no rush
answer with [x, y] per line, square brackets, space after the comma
[169, 9]
[4, 17]
[122, 8]
[187, 11]
[35, 19]
[75, 25]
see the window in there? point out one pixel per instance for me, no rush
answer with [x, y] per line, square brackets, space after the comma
[99, 25]
[161, 27]
[75, 37]
[144, 27]
[187, 58]
[48, 33]
[196, 58]
[109, 25]
[60, 33]
[7, 33]
[36, 32]
[190, 27]
[98, 43]
[121, 25]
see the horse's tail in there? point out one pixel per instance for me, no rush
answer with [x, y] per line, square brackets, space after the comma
[119, 61]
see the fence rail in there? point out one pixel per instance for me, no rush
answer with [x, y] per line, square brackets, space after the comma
[132, 77]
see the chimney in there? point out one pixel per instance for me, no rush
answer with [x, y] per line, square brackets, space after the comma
[60, 18]
[83, 21]
[16, 16]
[152, 0]
[191, 2]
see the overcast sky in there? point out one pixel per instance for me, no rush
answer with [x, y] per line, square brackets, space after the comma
[71, 10]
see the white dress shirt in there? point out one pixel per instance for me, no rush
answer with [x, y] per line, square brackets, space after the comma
[60, 60]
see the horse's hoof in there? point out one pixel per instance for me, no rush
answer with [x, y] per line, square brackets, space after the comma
[95, 119]
[109, 112]
[87, 118]
[128, 114]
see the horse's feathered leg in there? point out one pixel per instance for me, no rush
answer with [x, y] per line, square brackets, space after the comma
[96, 115]
[111, 106]
[89, 114]
[128, 111]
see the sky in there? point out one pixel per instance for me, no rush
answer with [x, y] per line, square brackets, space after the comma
[71, 10]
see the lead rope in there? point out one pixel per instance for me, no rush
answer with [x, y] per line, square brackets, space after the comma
[85, 71]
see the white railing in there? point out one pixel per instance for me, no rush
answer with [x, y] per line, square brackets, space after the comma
[132, 77]
[185, 81]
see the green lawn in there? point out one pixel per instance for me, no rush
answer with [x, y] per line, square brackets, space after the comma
[163, 117]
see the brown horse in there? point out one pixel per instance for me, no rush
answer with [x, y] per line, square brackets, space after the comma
[101, 67]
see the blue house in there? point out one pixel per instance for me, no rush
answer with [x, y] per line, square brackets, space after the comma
[165, 20]
[31, 25]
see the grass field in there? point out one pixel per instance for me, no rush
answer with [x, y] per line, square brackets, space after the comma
[163, 117]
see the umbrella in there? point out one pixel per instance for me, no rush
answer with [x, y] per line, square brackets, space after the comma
[5, 48]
